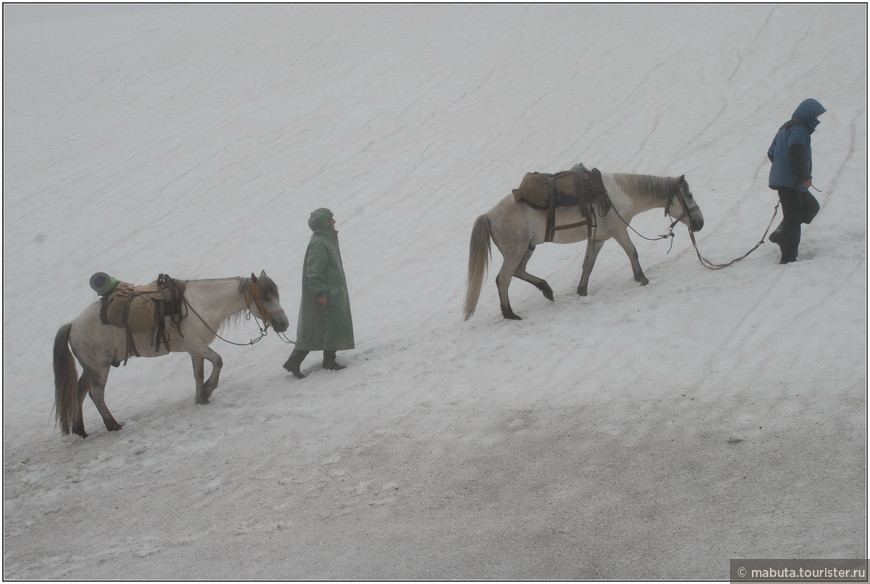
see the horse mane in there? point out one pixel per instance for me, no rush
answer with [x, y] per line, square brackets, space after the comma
[235, 318]
[244, 286]
[661, 186]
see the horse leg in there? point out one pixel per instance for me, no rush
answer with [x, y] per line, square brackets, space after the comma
[216, 364]
[97, 379]
[625, 241]
[538, 283]
[204, 388]
[503, 281]
[593, 248]
[198, 376]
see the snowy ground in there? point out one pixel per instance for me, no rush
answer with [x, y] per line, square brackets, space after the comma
[637, 433]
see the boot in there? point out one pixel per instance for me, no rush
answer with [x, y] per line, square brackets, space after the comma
[789, 246]
[294, 362]
[330, 363]
[788, 255]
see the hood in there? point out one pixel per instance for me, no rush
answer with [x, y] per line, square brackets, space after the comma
[321, 221]
[808, 113]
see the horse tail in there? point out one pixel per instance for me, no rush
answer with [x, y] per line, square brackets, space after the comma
[480, 251]
[66, 401]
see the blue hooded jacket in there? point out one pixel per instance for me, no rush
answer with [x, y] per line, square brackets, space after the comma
[791, 152]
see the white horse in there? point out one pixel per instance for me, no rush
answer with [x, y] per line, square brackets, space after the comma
[516, 228]
[206, 305]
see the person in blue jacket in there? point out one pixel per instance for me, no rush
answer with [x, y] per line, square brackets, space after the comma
[791, 175]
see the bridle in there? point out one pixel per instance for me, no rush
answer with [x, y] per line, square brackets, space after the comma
[265, 315]
[677, 193]
[255, 299]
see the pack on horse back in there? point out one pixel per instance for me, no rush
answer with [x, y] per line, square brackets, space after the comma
[576, 187]
[140, 310]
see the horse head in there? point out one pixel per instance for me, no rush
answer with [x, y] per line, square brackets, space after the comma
[265, 302]
[691, 214]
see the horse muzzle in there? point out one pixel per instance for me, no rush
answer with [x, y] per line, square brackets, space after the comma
[280, 322]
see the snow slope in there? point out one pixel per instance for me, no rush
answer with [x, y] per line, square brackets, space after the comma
[637, 433]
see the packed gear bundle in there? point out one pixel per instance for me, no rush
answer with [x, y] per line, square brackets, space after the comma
[140, 310]
[569, 188]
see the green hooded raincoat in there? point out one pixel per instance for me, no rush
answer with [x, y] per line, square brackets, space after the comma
[330, 327]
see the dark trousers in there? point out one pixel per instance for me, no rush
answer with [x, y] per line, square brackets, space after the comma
[790, 228]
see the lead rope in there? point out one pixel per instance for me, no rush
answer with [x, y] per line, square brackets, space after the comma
[263, 329]
[711, 266]
[670, 232]
[704, 261]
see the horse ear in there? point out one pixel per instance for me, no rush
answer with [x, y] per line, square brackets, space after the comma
[682, 179]
[262, 273]
[253, 278]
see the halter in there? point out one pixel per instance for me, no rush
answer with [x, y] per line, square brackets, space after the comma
[677, 193]
[264, 314]
[258, 302]
[254, 300]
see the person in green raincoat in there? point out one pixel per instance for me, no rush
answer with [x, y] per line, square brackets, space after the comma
[325, 322]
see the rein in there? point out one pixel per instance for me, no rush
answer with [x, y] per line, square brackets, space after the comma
[704, 261]
[711, 266]
[670, 234]
[263, 329]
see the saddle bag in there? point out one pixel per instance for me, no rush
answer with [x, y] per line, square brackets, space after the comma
[142, 310]
[578, 187]
[538, 189]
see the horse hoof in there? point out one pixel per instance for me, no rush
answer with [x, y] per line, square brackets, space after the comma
[512, 316]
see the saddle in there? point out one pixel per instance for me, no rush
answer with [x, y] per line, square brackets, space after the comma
[143, 310]
[568, 188]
